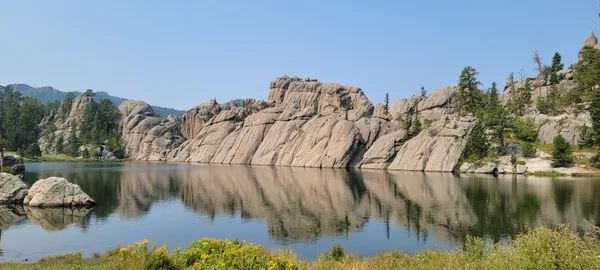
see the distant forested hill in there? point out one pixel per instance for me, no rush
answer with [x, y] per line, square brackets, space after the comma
[48, 94]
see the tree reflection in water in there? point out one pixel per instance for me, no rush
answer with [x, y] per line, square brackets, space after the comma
[305, 204]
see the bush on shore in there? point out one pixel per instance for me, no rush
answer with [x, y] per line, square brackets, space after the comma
[542, 248]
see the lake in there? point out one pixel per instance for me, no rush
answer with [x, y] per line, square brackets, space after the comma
[306, 210]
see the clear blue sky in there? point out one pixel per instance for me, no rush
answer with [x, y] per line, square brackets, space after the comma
[182, 53]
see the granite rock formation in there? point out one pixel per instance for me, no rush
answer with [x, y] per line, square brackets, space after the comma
[308, 123]
[64, 121]
[12, 189]
[56, 191]
[145, 135]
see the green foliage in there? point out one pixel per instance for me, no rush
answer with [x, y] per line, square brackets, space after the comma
[543, 106]
[100, 122]
[495, 117]
[562, 155]
[586, 136]
[548, 174]
[85, 153]
[115, 145]
[203, 254]
[386, 106]
[541, 248]
[7, 170]
[415, 128]
[32, 151]
[595, 161]
[520, 162]
[557, 66]
[337, 253]
[523, 98]
[59, 145]
[528, 150]
[477, 145]
[470, 97]
[423, 91]
[74, 144]
[19, 119]
[513, 160]
[525, 129]
[65, 106]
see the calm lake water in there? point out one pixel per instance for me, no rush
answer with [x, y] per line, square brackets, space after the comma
[305, 210]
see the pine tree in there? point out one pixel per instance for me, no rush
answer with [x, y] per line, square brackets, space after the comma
[74, 143]
[523, 98]
[59, 145]
[477, 145]
[557, 66]
[423, 91]
[469, 93]
[386, 106]
[65, 106]
[562, 154]
[587, 78]
[495, 116]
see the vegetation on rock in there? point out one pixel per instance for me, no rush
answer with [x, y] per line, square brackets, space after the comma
[562, 154]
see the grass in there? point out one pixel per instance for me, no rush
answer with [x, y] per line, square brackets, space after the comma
[542, 248]
[548, 174]
[595, 174]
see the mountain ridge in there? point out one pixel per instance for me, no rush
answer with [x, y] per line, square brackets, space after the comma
[46, 94]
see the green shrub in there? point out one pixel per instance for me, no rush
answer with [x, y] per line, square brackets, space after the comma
[586, 136]
[203, 254]
[337, 252]
[543, 106]
[477, 144]
[513, 160]
[520, 162]
[562, 155]
[7, 170]
[548, 174]
[528, 150]
[595, 161]
[525, 129]
[85, 153]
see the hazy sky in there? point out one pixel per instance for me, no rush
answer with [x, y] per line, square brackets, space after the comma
[181, 53]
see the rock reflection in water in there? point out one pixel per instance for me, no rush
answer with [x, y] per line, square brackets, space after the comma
[305, 204]
[50, 219]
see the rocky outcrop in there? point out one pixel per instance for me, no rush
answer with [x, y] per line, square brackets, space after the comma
[307, 123]
[12, 189]
[64, 121]
[567, 125]
[437, 149]
[15, 163]
[145, 135]
[56, 191]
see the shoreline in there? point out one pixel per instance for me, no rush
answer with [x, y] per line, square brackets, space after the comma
[541, 248]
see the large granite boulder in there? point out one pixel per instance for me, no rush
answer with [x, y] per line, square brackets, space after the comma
[145, 135]
[12, 189]
[379, 155]
[437, 149]
[56, 191]
[15, 163]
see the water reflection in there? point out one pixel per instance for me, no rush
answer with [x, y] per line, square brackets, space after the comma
[300, 204]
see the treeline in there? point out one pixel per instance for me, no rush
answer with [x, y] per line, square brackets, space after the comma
[496, 122]
[19, 120]
[99, 128]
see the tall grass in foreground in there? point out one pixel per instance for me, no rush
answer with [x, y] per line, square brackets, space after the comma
[541, 248]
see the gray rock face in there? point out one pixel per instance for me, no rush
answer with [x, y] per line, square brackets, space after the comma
[146, 136]
[12, 189]
[479, 168]
[307, 123]
[64, 125]
[567, 125]
[15, 163]
[438, 153]
[56, 191]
